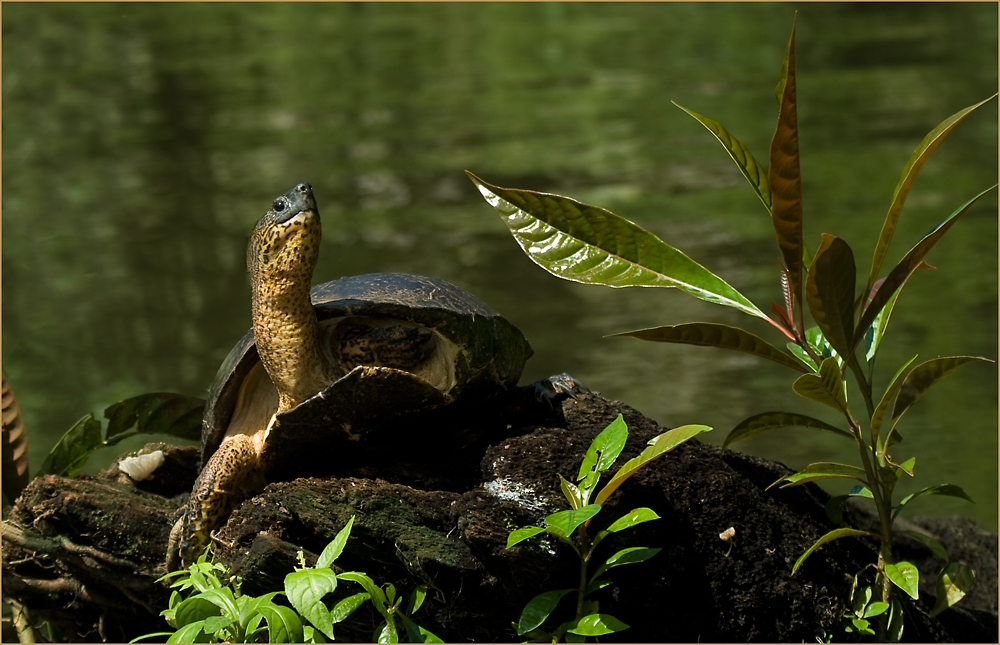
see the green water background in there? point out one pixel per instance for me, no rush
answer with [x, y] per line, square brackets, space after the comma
[142, 141]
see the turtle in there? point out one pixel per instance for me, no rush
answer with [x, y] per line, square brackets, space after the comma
[327, 370]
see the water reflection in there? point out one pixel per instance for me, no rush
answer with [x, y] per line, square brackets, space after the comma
[142, 141]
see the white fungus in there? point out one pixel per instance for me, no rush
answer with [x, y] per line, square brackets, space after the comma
[141, 467]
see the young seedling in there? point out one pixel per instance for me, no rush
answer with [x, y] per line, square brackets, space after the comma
[592, 245]
[570, 527]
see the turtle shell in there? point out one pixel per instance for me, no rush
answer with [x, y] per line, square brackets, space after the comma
[482, 355]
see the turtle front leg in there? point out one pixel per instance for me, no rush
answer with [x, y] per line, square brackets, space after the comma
[212, 497]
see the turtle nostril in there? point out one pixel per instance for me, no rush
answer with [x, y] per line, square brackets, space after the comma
[303, 187]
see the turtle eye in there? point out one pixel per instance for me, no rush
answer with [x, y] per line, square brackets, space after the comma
[278, 205]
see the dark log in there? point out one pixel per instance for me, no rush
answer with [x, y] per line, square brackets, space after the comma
[85, 552]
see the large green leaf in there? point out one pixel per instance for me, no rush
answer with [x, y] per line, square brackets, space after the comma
[830, 292]
[910, 171]
[563, 523]
[922, 377]
[752, 169]
[717, 335]
[910, 263]
[305, 591]
[827, 387]
[538, 609]
[784, 177]
[772, 420]
[283, 624]
[832, 535]
[657, 446]
[592, 245]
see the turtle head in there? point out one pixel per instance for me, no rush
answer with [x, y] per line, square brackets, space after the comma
[285, 242]
[281, 256]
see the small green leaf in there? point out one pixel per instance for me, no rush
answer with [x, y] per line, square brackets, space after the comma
[605, 448]
[571, 492]
[565, 522]
[876, 609]
[951, 490]
[822, 470]
[418, 634]
[633, 517]
[827, 387]
[905, 576]
[538, 609]
[416, 599]
[630, 555]
[832, 535]
[932, 545]
[305, 591]
[335, 547]
[834, 507]
[717, 335]
[895, 631]
[519, 535]
[953, 584]
[596, 585]
[773, 420]
[587, 244]
[345, 607]
[597, 625]
[283, 624]
[752, 169]
[830, 292]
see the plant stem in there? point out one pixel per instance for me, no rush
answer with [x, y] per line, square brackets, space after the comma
[584, 553]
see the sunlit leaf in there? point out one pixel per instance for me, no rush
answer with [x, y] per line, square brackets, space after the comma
[910, 263]
[633, 517]
[605, 448]
[832, 535]
[630, 555]
[565, 522]
[784, 178]
[347, 606]
[717, 335]
[827, 387]
[876, 609]
[922, 377]
[830, 292]
[659, 445]
[597, 625]
[905, 576]
[192, 633]
[592, 245]
[335, 547]
[538, 609]
[772, 420]
[305, 591]
[953, 584]
[521, 535]
[571, 492]
[748, 165]
[910, 171]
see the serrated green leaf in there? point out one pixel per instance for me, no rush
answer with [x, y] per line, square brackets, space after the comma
[830, 292]
[950, 490]
[910, 262]
[658, 446]
[587, 244]
[910, 171]
[784, 177]
[565, 522]
[955, 581]
[922, 377]
[752, 169]
[905, 576]
[597, 625]
[538, 609]
[827, 387]
[283, 624]
[832, 535]
[765, 421]
[522, 534]
[305, 591]
[335, 547]
[717, 335]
